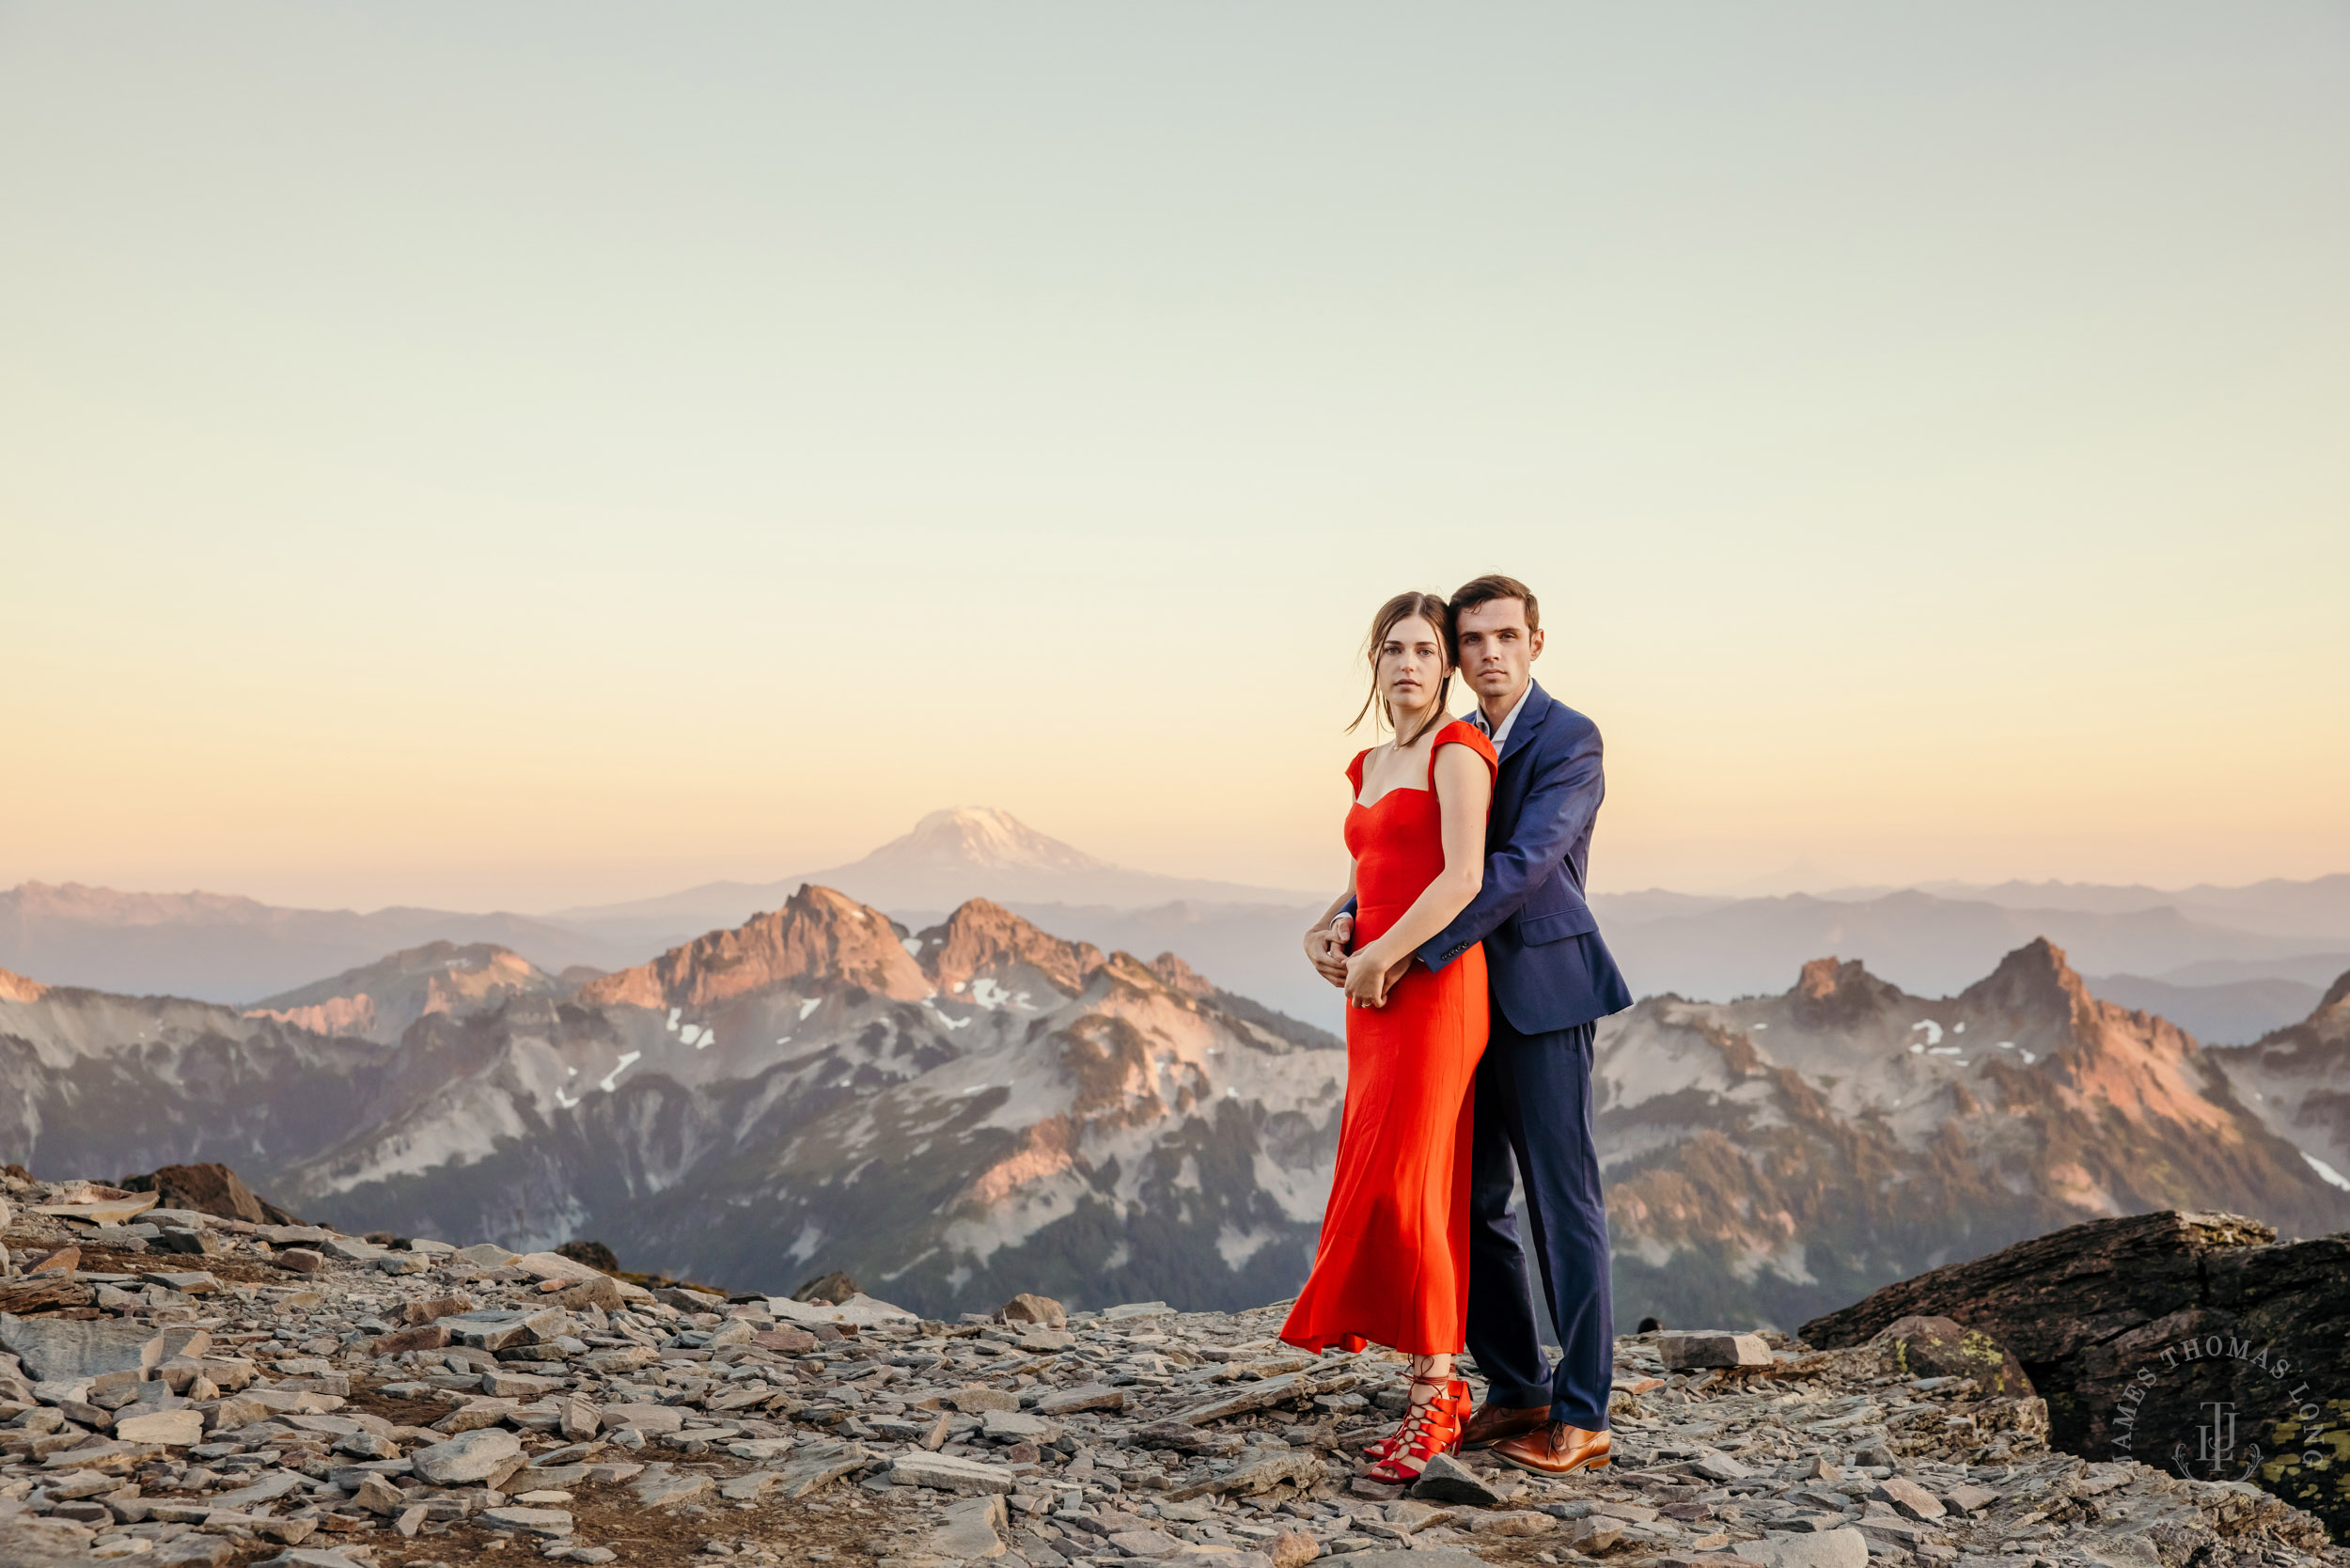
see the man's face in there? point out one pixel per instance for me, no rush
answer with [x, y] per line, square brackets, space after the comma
[1498, 652]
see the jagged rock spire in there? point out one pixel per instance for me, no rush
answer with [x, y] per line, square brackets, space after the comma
[1831, 994]
[981, 935]
[818, 934]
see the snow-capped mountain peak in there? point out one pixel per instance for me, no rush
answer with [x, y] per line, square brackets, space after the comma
[981, 838]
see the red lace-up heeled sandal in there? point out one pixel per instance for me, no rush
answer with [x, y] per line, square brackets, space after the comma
[1428, 1430]
[1393, 1441]
[1381, 1448]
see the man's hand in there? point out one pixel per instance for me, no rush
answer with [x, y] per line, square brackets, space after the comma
[1326, 948]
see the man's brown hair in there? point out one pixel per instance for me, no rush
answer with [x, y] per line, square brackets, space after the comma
[1493, 586]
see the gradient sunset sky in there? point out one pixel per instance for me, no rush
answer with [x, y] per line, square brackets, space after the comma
[522, 455]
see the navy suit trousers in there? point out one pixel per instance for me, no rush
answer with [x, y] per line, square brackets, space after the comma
[1534, 1111]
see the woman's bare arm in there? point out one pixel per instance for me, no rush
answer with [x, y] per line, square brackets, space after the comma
[1324, 949]
[1464, 789]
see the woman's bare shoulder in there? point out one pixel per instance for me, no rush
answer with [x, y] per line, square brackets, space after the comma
[1461, 733]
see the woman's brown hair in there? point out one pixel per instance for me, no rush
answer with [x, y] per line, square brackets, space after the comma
[1432, 608]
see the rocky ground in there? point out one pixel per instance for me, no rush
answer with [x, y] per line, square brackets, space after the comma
[186, 1388]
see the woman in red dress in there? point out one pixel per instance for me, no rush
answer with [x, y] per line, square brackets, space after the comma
[1392, 1264]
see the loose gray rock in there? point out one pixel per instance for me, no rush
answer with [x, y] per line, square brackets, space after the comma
[1267, 1393]
[550, 1522]
[1043, 1310]
[172, 1428]
[968, 1532]
[661, 1487]
[1685, 1352]
[1086, 1396]
[1422, 1557]
[644, 1417]
[1594, 1534]
[1829, 1548]
[487, 1254]
[1145, 1543]
[470, 1456]
[816, 1470]
[975, 1398]
[1258, 1470]
[43, 1543]
[271, 1487]
[1013, 1426]
[1128, 1311]
[1910, 1497]
[949, 1473]
[749, 1488]
[379, 1495]
[54, 1350]
[1446, 1480]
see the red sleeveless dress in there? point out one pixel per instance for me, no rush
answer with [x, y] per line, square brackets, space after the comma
[1392, 1266]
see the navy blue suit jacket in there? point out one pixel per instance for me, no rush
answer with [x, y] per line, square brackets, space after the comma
[1548, 966]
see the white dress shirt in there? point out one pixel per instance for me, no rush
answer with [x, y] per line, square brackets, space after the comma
[1500, 735]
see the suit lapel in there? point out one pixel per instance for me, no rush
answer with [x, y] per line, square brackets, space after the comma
[1530, 718]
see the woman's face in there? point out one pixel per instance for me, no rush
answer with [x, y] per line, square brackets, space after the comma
[1411, 665]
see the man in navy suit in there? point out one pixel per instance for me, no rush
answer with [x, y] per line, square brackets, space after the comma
[1552, 979]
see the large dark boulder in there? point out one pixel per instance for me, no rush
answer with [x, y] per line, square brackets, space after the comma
[208, 1189]
[593, 1253]
[2196, 1343]
[831, 1289]
[1937, 1347]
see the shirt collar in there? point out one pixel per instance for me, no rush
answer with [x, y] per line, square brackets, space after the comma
[1500, 733]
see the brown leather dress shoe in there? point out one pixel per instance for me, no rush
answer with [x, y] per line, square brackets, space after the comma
[1491, 1424]
[1557, 1450]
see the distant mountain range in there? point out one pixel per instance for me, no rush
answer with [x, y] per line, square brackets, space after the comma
[1723, 949]
[222, 948]
[2227, 964]
[2319, 907]
[984, 1107]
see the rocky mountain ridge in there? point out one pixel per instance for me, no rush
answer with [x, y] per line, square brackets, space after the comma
[2296, 1081]
[378, 1001]
[1776, 1155]
[814, 1088]
[984, 1106]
